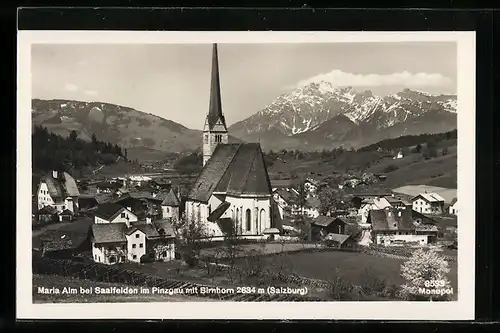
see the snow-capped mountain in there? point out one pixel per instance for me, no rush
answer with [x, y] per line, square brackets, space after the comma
[324, 115]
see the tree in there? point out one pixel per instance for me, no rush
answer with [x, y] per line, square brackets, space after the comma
[73, 136]
[418, 148]
[94, 139]
[328, 200]
[301, 199]
[424, 270]
[189, 233]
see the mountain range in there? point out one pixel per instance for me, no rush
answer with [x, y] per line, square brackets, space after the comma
[320, 115]
[313, 117]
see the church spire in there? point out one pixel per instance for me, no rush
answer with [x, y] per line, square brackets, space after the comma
[215, 130]
[215, 107]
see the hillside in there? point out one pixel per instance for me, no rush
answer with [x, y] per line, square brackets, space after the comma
[55, 152]
[435, 163]
[114, 123]
[147, 137]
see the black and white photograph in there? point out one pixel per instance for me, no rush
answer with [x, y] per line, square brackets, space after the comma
[273, 173]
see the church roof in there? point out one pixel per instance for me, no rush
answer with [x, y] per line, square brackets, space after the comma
[215, 116]
[171, 199]
[234, 169]
[63, 185]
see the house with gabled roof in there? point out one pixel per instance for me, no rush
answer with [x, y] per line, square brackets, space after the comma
[453, 209]
[133, 241]
[170, 206]
[59, 190]
[234, 180]
[113, 213]
[428, 203]
[394, 226]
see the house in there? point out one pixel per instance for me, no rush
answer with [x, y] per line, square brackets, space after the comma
[135, 241]
[370, 204]
[138, 180]
[170, 206]
[398, 156]
[234, 177]
[311, 208]
[324, 225]
[47, 214]
[453, 209]
[66, 241]
[66, 216]
[340, 241]
[285, 198]
[398, 202]
[357, 200]
[311, 185]
[354, 182]
[107, 187]
[87, 202]
[428, 203]
[59, 190]
[138, 205]
[394, 226]
[113, 213]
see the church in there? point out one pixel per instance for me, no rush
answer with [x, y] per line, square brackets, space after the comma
[233, 187]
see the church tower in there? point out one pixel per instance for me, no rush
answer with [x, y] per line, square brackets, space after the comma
[215, 130]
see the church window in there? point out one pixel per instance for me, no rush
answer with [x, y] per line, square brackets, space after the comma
[262, 218]
[206, 138]
[248, 219]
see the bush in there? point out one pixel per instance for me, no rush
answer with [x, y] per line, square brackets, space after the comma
[146, 258]
[390, 168]
[372, 284]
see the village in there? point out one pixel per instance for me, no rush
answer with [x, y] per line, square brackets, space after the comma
[232, 224]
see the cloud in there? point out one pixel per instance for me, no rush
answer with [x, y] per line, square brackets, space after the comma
[90, 93]
[70, 87]
[406, 79]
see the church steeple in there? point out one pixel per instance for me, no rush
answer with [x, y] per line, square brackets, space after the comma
[215, 130]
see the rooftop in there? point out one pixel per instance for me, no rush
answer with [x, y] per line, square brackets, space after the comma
[233, 169]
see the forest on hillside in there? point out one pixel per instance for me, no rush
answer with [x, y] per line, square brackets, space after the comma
[411, 140]
[54, 152]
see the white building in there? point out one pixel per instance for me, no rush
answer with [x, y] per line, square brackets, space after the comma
[234, 183]
[428, 203]
[117, 236]
[453, 209]
[398, 156]
[59, 190]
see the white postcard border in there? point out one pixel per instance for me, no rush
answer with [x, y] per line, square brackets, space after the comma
[463, 309]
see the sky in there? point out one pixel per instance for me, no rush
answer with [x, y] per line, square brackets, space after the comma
[173, 80]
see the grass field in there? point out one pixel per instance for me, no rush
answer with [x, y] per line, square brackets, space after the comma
[53, 281]
[412, 190]
[354, 267]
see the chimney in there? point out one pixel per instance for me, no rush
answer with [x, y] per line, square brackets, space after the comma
[392, 195]
[54, 174]
[148, 220]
